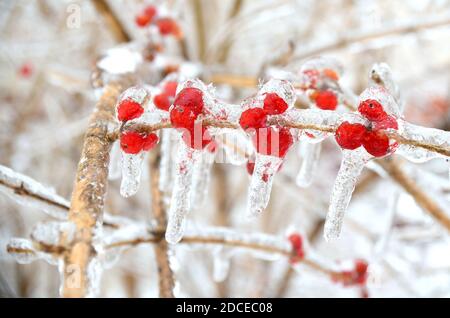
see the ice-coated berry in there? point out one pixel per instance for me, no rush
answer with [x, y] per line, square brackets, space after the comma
[170, 88]
[197, 138]
[326, 100]
[274, 104]
[297, 247]
[162, 101]
[150, 11]
[376, 143]
[360, 271]
[133, 142]
[128, 110]
[273, 142]
[191, 98]
[350, 136]
[142, 20]
[253, 118]
[387, 123]
[331, 74]
[372, 110]
[168, 26]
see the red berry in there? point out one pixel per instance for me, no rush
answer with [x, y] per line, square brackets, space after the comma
[331, 74]
[133, 142]
[142, 20]
[274, 104]
[150, 11]
[297, 247]
[360, 272]
[372, 110]
[250, 167]
[191, 98]
[212, 146]
[376, 143]
[170, 88]
[326, 100]
[272, 142]
[162, 101]
[253, 118]
[128, 110]
[168, 26]
[197, 138]
[26, 70]
[388, 122]
[350, 136]
[182, 117]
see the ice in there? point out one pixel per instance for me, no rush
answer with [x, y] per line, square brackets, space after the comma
[353, 162]
[381, 74]
[200, 179]
[165, 167]
[53, 233]
[310, 154]
[115, 162]
[423, 135]
[139, 94]
[237, 147]
[22, 250]
[28, 192]
[131, 173]
[282, 88]
[179, 207]
[120, 60]
[261, 183]
[383, 96]
[221, 263]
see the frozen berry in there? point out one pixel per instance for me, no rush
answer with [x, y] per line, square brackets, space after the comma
[250, 167]
[150, 11]
[376, 143]
[388, 122]
[170, 88]
[274, 104]
[191, 98]
[26, 70]
[326, 100]
[162, 101]
[133, 142]
[142, 20]
[372, 110]
[312, 77]
[297, 247]
[168, 26]
[253, 118]
[350, 136]
[331, 74]
[182, 117]
[273, 142]
[128, 110]
[197, 138]
[360, 271]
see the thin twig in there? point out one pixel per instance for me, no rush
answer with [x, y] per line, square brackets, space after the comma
[112, 21]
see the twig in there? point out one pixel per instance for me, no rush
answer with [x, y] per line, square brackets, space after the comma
[112, 22]
[86, 208]
[166, 278]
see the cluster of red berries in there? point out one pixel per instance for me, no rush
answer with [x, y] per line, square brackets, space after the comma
[132, 142]
[165, 25]
[187, 107]
[372, 137]
[357, 276]
[298, 251]
[272, 141]
[164, 99]
[324, 98]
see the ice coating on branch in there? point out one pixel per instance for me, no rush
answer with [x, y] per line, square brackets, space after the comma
[423, 135]
[18, 187]
[310, 154]
[353, 162]
[261, 183]
[179, 205]
[114, 162]
[381, 74]
[131, 173]
[200, 178]
[53, 233]
[22, 250]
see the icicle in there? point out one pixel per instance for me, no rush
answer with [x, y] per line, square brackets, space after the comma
[221, 264]
[261, 183]
[381, 74]
[180, 194]
[131, 173]
[200, 178]
[310, 158]
[166, 162]
[114, 162]
[237, 147]
[353, 162]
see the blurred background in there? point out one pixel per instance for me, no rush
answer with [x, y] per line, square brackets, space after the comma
[48, 49]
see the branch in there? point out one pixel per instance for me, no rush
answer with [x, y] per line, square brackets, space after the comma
[166, 278]
[112, 22]
[86, 208]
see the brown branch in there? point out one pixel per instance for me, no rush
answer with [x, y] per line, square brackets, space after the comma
[166, 278]
[86, 208]
[112, 21]
[445, 151]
